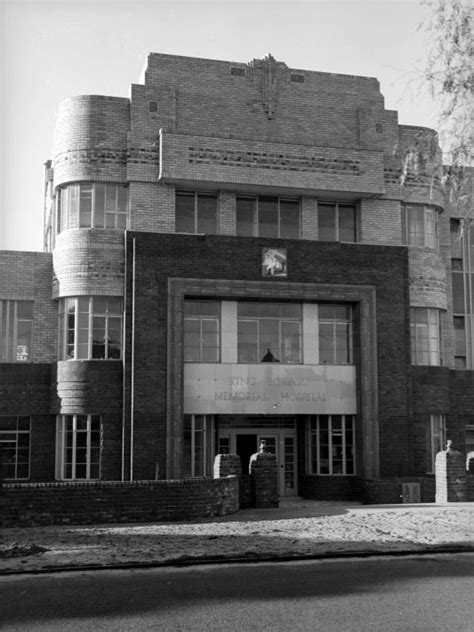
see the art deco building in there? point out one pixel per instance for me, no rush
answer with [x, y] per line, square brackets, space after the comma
[237, 252]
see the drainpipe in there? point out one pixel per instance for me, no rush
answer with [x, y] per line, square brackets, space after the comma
[132, 359]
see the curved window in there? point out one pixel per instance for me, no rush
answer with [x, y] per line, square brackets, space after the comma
[92, 205]
[425, 329]
[421, 226]
[90, 328]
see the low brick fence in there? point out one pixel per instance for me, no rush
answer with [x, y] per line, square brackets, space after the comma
[390, 490]
[31, 504]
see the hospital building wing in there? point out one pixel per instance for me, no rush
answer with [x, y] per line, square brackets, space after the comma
[233, 254]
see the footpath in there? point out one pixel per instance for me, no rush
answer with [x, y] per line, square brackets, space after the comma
[298, 529]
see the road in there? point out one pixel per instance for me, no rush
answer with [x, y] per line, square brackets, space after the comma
[424, 593]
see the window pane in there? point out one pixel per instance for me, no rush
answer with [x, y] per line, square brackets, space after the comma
[458, 293]
[268, 216]
[289, 219]
[347, 225]
[207, 214]
[85, 206]
[326, 222]
[245, 210]
[99, 205]
[185, 213]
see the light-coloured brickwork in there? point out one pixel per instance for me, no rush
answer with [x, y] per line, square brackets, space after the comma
[380, 222]
[89, 262]
[26, 276]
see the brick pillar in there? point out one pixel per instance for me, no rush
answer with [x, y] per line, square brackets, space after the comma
[264, 478]
[227, 465]
[451, 480]
[470, 476]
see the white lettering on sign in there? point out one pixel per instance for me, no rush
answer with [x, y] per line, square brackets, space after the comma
[259, 389]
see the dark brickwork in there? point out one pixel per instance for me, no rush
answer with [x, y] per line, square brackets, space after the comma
[390, 490]
[263, 470]
[159, 257]
[25, 389]
[141, 501]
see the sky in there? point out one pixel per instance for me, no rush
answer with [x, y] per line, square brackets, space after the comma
[52, 50]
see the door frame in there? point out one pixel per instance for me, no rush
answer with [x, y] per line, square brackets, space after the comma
[261, 433]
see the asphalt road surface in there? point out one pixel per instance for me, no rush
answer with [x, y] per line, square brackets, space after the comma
[424, 593]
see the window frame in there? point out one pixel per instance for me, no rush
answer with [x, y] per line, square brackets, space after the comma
[15, 434]
[196, 214]
[193, 467]
[314, 443]
[260, 322]
[336, 206]
[68, 206]
[418, 351]
[62, 447]
[435, 440]
[72, 336]
[415, 236]
[257, 213]
[9, 326]
[336, 322]
[201, 318]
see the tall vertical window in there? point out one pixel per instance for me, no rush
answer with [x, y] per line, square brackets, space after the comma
[198, 438]
[15, 446]
[201, 331]
[336, 222]
[269, 332]
[16, 326]
[331, 445]
[90, 328]
[421, 225]
[462, 276]
[78, 443]
[268, 216]
[425, 332]
[92, 205]
[435, 439]
[335, 334]
[196, 212]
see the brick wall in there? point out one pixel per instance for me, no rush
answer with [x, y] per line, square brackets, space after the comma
[27, 276]
[91, 139]
[140, 501]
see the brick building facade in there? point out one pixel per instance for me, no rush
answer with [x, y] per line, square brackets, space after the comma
[239, 252]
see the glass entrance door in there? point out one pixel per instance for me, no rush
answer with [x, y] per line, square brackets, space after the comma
[281, 443]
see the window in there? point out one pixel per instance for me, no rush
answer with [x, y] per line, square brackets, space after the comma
[459, 342]
[269, 332]
[16, 325]
[268, 216]
[462, 262]
[201, 331]
[15, 444]
[331, 445]
[196, 212]
[421, 225]
[90, 327]
[78, 447]
[336, 222]
[435, 440]
[92, 205]
[335, 334]
[425, 336]
[198, 441]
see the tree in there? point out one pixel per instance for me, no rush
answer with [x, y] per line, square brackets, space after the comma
[449, 75]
